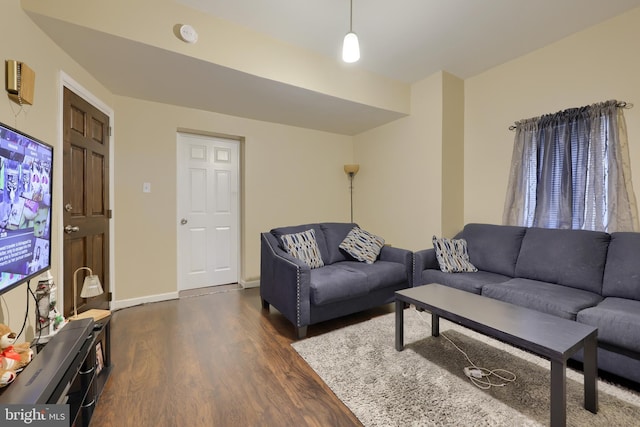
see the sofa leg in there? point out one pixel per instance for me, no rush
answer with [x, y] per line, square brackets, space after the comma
[265, 304]
[301, 332]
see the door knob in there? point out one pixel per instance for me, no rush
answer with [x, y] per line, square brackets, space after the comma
[183, 221]
[71, 229]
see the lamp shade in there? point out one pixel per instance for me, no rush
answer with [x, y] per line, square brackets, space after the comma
[91, 287]
[351, 169]
[350, 48]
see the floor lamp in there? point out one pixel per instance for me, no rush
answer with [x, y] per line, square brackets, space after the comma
[351, 171]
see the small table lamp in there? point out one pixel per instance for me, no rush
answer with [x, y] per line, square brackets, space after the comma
[90, 288]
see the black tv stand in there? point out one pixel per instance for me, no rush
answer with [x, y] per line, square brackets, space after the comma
[65, 371]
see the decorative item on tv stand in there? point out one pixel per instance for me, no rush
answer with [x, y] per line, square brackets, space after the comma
[90, 288]
[49, 318]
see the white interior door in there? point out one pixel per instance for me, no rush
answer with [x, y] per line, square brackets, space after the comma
[208, 211]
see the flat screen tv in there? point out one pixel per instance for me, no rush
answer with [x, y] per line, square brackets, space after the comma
[25, 207]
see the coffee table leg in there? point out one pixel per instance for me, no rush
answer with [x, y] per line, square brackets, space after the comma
[399, 325]
[435, 325]
[558, 393]
[590, 366]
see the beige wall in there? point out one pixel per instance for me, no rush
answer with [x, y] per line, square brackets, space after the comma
[409, 186]
[595, 65]
[398, 191]
[23, 41]
[452, 155]
[290, 176]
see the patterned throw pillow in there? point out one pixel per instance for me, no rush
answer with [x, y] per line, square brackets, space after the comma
[362, 245]
[304, 247]
[452, 255]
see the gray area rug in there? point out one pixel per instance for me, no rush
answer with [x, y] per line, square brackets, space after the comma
[424, 385]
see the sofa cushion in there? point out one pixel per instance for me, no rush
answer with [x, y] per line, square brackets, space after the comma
[452, 255]
[336, 282]
[380, 274]
[622, 270]
[617, 320]
[574, 258]
[303, 246]
[561, 301]
[320, 239]
[362, 245]
[494, 248]
[470, 282]
[334, 234]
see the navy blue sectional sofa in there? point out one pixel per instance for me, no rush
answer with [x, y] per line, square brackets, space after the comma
[307, 296]
[587, 276]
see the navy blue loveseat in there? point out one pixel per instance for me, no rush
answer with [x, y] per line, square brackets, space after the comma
[587, 276]
[306, 296]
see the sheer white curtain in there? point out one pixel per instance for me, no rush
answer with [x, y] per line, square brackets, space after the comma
[571, 170]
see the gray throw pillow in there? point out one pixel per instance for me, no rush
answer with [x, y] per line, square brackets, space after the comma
[304, 247]
[362, 245]
[452, 255]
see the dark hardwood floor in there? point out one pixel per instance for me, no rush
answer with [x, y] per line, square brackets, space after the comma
[215, 360]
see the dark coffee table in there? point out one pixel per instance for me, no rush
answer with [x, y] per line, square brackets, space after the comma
[550, 337]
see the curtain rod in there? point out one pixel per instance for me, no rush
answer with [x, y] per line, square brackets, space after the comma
[620, 104]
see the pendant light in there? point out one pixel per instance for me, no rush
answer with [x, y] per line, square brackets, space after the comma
[350, 46]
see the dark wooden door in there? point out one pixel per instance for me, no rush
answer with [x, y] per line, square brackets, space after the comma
[86, 199]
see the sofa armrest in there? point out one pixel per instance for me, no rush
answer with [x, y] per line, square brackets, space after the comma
[284, 281]
[423, 260]
[401, 256]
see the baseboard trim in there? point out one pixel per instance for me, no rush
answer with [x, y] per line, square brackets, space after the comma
[249, 283]
[120, 304]
[117, 305]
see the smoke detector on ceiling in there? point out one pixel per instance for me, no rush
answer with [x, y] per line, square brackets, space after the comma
[188, 33]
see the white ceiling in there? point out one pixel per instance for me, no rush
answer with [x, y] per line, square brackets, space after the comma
[406, 40]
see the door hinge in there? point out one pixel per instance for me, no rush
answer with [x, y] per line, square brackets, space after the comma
[109, 130]
[109, 296]
[109, 213]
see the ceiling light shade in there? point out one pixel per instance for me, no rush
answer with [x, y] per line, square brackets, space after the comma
[350, 48]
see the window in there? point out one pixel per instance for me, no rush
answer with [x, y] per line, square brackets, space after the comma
[571, 170]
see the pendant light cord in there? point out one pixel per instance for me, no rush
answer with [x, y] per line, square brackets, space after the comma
[351, 16]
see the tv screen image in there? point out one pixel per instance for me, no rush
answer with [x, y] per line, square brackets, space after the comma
[25, 207]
